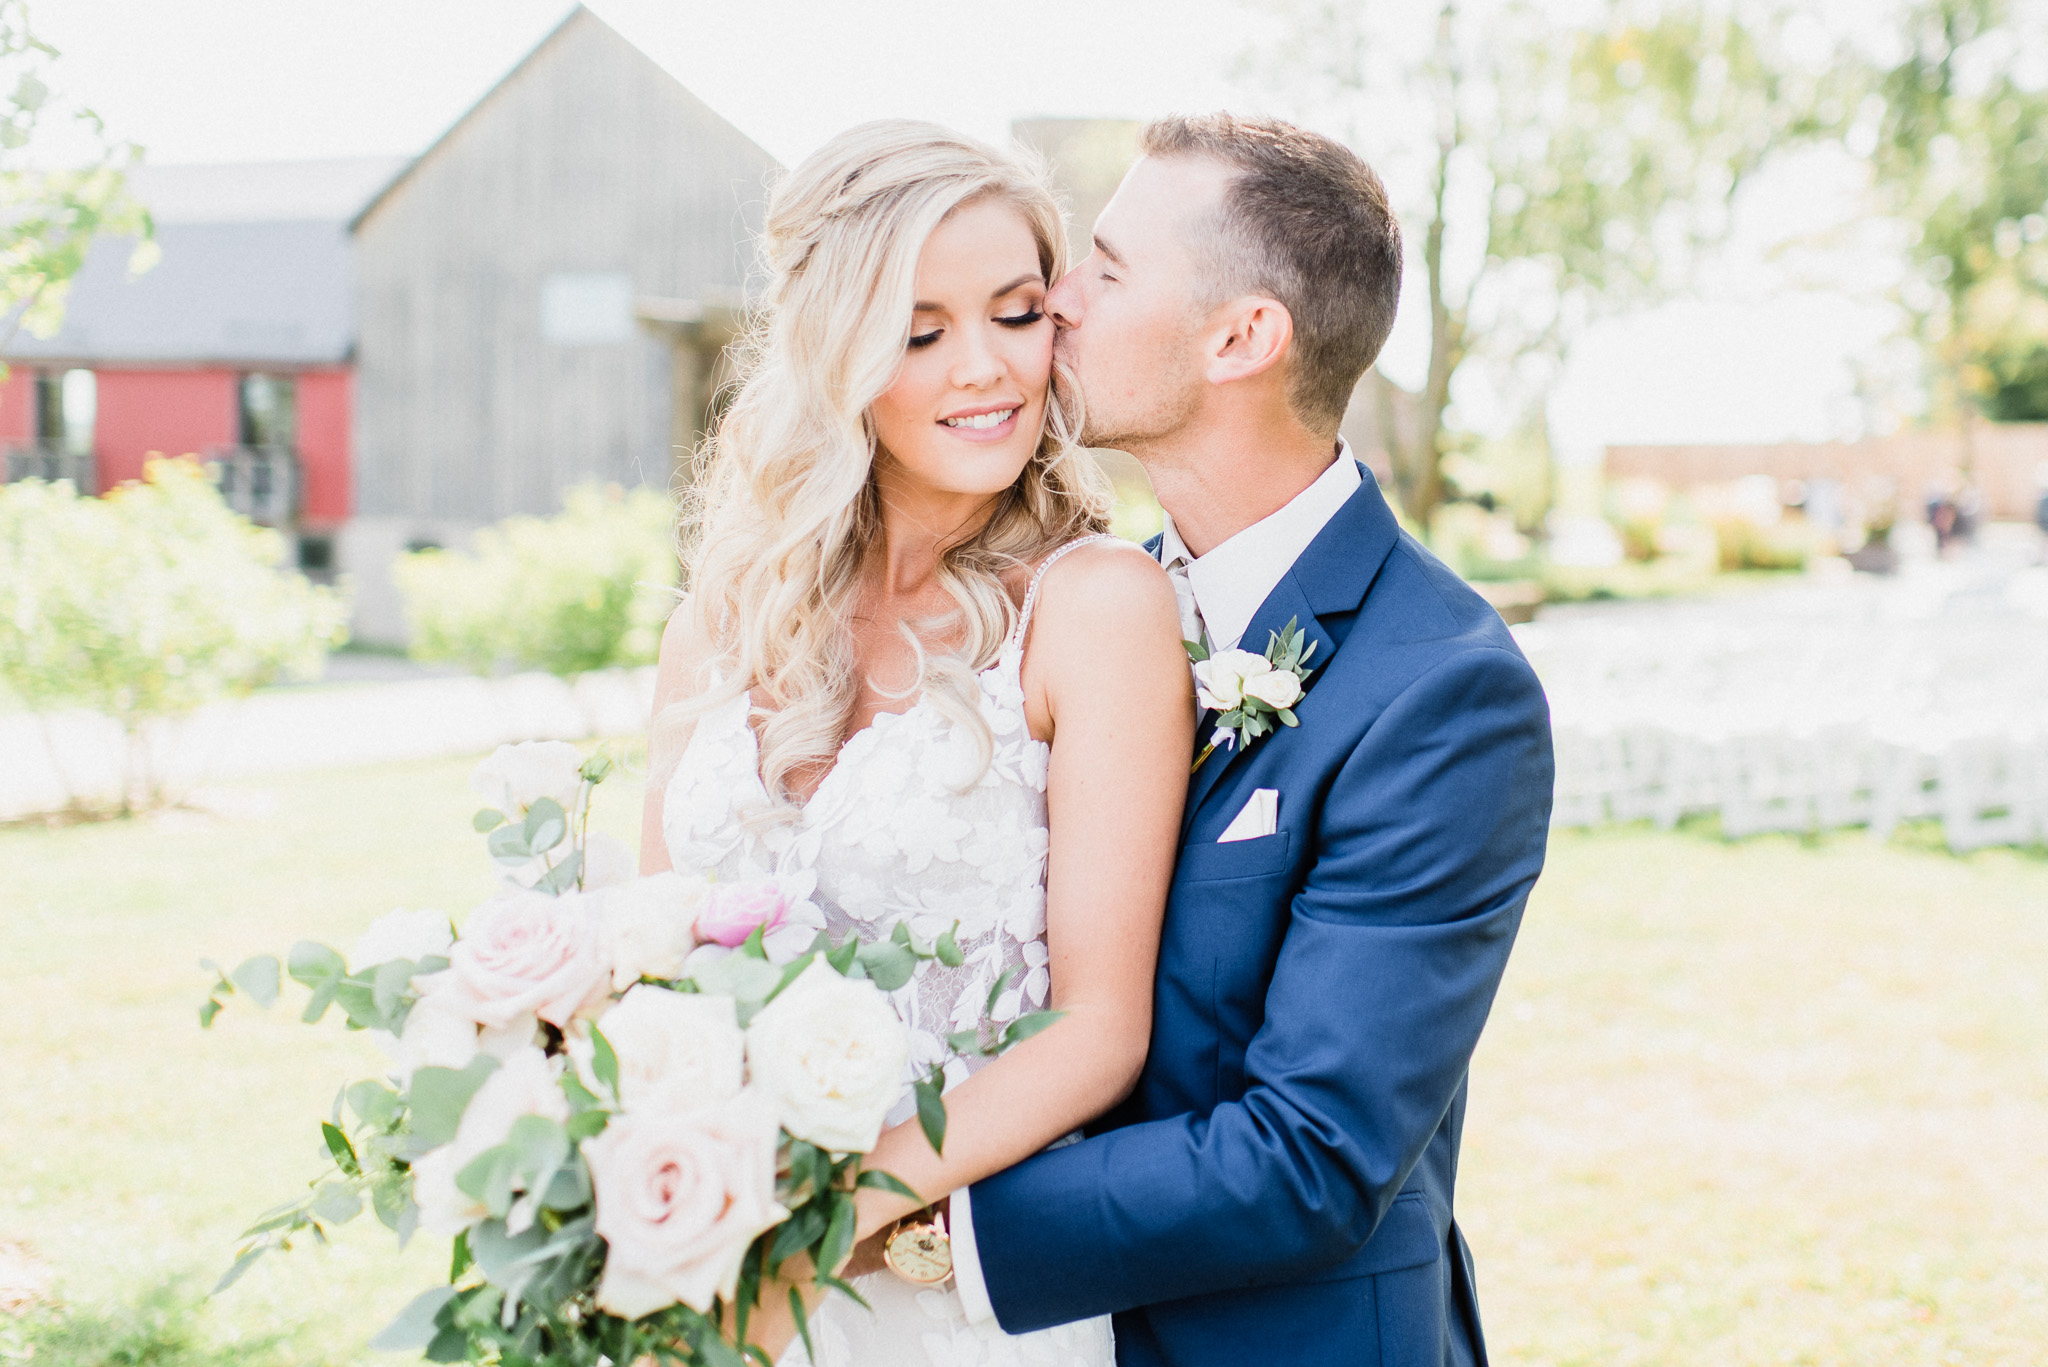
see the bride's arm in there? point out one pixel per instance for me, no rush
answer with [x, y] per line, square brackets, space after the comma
[1106, 670]
[679, 673]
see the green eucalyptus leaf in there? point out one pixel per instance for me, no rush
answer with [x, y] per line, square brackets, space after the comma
[1287, 717]
[545, 825]
[1002, 983]
[508, 845]
[208, 1009]
[948, 948]
[931, 1113]
[337, 1203]
[258, 978]
[563, 876]
[838, 1234]
[877, 1180]
[313, 964]
[842, 958]
[1025, 1026]
[965, 1042]
[373, 1102]
[438, 1097]
[604, 1062]
[416, 1325]
[486, 820]
[243, 1261]
[343, 1151]
[889, 964]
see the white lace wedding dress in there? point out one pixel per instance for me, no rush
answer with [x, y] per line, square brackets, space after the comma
[891, 838]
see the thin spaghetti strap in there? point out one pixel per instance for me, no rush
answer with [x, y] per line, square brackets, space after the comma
[1038, 577]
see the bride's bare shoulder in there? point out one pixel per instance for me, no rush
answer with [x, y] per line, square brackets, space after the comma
[1107, 586]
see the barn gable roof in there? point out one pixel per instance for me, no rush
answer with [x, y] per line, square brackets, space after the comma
[577, 17]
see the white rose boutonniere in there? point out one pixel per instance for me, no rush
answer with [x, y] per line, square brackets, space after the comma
[1252, 693]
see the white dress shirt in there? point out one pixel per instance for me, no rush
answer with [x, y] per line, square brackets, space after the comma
[1229, 584]
[1231, 581]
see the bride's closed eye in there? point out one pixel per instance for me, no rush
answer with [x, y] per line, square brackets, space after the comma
[1022, 320]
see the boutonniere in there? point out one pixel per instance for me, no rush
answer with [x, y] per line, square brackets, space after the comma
[1251, 692]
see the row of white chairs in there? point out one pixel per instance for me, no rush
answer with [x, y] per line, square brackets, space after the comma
[1985, 789]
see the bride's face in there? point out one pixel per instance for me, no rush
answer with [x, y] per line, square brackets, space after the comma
[965, 412]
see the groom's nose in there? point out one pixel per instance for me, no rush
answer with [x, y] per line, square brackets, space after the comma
[1063, 300]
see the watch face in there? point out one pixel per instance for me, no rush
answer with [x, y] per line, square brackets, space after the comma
[920, 1253]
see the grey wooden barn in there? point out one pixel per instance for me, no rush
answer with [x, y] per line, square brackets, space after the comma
[543, 298]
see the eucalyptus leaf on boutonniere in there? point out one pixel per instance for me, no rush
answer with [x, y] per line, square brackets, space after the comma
[1251, 693]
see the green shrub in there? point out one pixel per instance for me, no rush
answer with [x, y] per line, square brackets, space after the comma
[584, 589]
[149, 602]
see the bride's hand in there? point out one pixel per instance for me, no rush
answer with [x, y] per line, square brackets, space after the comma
[772, 1324]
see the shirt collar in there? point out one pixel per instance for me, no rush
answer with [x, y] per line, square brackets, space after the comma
[1231, 581]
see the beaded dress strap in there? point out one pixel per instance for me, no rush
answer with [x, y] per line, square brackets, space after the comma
[1038, 577]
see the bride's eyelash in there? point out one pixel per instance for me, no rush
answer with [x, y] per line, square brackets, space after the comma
[926, 340]
[1022, 320]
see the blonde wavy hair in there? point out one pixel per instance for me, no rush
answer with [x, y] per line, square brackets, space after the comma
[785, 513]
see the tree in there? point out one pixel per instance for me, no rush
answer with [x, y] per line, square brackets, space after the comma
[1558, 172]
[149, 603]
[52, 214]
[1961, 159]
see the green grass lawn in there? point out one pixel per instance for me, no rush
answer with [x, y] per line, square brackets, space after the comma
[1763, 1103]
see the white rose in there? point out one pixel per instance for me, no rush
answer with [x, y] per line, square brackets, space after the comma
[675, 1049]
[647, 926]
[527, 1083]
[830, 1053]
[514, 777]
[1219, 680]
[1275, 688]
[402, 934]
[529, 952]
[436, 1035]
[680, 1195]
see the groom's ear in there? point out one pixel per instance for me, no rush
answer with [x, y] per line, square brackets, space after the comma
[1247, 336]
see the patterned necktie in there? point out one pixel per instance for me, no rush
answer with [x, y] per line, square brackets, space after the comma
[1191, 625]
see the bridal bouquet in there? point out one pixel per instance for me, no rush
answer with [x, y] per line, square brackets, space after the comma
[631, 1101]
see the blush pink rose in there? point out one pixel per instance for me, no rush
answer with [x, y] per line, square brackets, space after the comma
[529, 952]
[731, 911]
[680, 1195]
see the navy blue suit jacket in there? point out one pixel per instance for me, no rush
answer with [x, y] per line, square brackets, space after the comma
[1279, 1186]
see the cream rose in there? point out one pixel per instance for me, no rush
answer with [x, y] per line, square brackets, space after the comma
[1275, 688]
[527, 1083]
[680, 1195]
[402, 934]
[675, 1050]
[529, 952]
[830, 1053]
[1219, 680]
[646, 926]
[514, 777]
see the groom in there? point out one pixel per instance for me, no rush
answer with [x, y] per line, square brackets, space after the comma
[1278, 1189]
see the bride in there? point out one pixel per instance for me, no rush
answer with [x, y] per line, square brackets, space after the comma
[912, 665]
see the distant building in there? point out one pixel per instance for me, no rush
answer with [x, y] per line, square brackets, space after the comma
[236, 348]
[545, 294]
[389, 353]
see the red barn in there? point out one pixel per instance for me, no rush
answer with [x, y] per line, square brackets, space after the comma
[238, 347]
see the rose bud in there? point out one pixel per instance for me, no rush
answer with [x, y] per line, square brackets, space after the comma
[731, 911]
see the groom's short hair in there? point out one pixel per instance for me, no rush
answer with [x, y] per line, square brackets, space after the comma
[1307, 223]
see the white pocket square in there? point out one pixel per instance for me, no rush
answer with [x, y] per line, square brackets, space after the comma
[1260, 816]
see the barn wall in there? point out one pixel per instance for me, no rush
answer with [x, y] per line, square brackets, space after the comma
[172, 412]
[324, 421]
[588, 158]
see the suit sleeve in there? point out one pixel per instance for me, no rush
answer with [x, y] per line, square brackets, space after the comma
[1430, 838]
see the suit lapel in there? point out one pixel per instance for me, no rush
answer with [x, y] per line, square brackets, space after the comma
[1321, 592]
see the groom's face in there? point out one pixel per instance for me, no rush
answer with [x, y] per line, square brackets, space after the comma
[1132, 316]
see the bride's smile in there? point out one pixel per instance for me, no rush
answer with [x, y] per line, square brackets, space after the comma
[967, 409]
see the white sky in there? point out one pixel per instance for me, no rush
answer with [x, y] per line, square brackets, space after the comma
[239, 80]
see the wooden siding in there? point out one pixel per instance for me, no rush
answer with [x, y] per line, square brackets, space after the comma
[587, 158]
